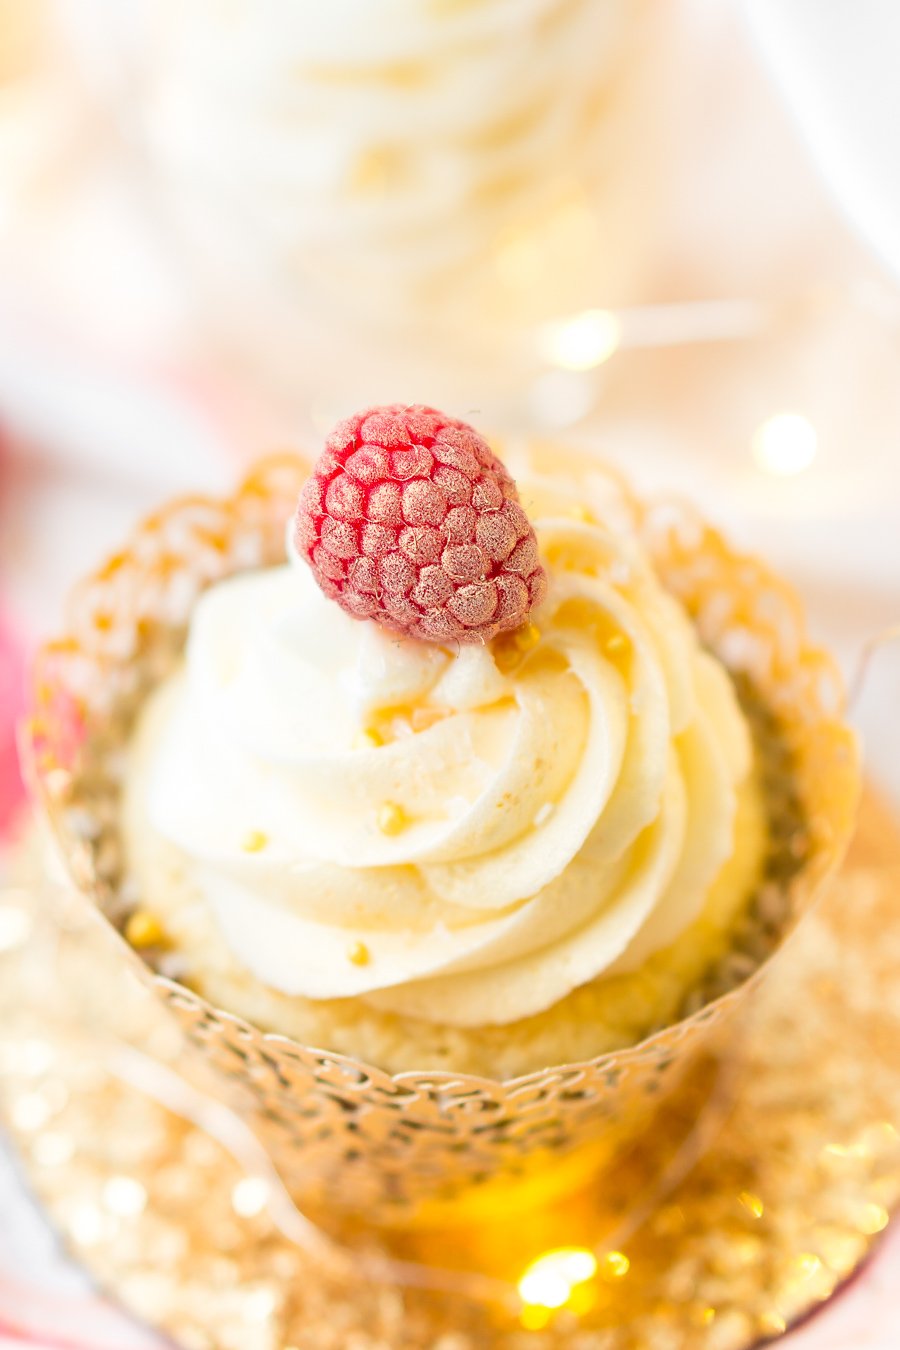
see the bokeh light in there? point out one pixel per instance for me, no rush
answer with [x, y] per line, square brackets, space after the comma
[584, 341]
[785, 444]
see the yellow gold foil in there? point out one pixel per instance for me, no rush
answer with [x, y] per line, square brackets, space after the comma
[169, 1223]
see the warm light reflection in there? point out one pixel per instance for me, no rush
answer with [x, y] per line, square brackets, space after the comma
[250, 1197]
[124, 1196]
[808, 1264]
[873, 1219]
[752, 1204]
[785, 444]
[549, 1281]
[616, 1265]
[582, 342]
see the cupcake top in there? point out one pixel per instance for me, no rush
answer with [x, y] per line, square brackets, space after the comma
[459, 830]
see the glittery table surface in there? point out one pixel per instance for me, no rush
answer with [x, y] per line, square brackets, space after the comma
[792, 1190]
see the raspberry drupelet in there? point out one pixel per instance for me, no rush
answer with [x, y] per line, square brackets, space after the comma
[410, 519]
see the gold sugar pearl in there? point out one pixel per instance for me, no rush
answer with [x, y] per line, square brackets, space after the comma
[506, 657]
[368, 739]
[254, 842]
[144, 929]
[359, 954]
[392, 819]
[527, 637]
[511, 647]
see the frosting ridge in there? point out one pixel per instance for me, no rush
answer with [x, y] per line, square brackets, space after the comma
[460, 835]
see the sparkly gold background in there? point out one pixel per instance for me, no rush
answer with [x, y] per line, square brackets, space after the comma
[798, 1166]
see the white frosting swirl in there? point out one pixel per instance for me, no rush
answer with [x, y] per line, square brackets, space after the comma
[547, 823]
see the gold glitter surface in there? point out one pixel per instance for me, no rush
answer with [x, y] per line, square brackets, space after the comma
[768, 1208]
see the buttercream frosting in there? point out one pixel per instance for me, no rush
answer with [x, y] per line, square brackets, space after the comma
[463, 835]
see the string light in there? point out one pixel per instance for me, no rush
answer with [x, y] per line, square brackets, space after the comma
[582, 342]
[549, 1281]
[785, 444]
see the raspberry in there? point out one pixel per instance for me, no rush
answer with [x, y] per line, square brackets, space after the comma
[410, 519]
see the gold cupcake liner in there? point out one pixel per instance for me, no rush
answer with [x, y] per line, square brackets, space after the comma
[177, 1215]
[405, 1145]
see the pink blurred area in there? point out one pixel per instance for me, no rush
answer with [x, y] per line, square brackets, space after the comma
[12, 702]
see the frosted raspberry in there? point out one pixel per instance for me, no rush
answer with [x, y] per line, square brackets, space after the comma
[410, 518]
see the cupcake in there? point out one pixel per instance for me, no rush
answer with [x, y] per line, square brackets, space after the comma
[495, 770]
[393, 186]
[400, 161]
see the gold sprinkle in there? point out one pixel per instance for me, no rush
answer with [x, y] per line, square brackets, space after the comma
[144, 929]
[368, 739]
[255, 841]
[772, 1323]
[752, 1204]
[506, 655]
[509, 648]
[527, 637]
[359, 954]
[617, 643]
[582, 513]
[392, 819]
